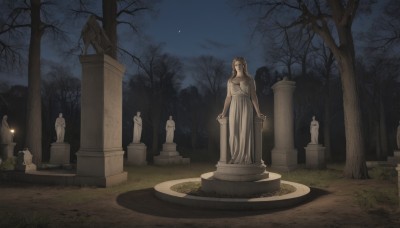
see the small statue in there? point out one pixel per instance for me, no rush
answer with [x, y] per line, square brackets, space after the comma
[5, 135]
[398, 136]
[314, 127]
[92, 33]
[137, 128]
[60, 128]
[170, 128]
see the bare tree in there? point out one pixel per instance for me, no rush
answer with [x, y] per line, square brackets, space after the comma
[318, 16]
[324, 64]
[114, 13]
[158, 79]
[211, 75]
[33, 15]
[384, 34]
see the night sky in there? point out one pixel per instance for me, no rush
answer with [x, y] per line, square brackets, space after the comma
[190, 28]
[186, 28]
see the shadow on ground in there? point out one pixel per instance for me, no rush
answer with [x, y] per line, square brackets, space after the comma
[144, 201]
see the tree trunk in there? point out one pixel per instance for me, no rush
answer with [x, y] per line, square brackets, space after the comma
[110, 8]
[382, 130]
[355, 147]
[34, 105]
[327, 123]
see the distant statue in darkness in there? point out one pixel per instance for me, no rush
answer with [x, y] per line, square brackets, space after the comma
[314, 128]
[60, 128]
[398, 136]
[170, 128]
[137, 128]
[92, 33]
[5, 135]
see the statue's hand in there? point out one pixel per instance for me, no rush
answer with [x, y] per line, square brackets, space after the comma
[261, 116]
[220, 116]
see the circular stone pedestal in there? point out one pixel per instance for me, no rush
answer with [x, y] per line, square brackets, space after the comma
[240, 172]
[163, 191]
[243, 188]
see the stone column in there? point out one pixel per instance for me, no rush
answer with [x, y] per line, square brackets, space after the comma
[284, 155]
[258, 123]
[224, 154]
[100, 157]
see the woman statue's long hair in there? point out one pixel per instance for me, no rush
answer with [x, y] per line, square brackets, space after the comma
[242, 61]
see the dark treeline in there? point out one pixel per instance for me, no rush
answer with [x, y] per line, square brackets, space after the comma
[317, 57]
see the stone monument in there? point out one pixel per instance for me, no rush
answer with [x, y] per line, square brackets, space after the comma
[395, 159]
[284, 155]
[6, 139]
[315, 153]
[100, 157]
[24, 161]
[137, 149]
[169, 155]
[59, 150]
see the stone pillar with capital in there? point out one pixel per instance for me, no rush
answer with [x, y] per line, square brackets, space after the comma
[284, 155]
[100, 157]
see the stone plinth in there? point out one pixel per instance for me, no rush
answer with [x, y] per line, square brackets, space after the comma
[169, 156]
[243, 188]
[240, 179]
[283, 155]
[395, 159]
[7, 151]
[315, 156]
[137, 154]
[59, 153]
[100, 157]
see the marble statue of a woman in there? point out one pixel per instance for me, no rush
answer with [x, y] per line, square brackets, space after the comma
[137, 128]
[241, 98]
[59, 126]
[5, 135]
[314, 131]
[169, 128]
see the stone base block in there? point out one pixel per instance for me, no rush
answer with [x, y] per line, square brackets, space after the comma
[395, 159]
[315, 156]
[245, 188]
[168, 160]
[240, 172]
[99, 164]
[102, 181]
[169, 147]
[284, 160]
[7, 151]
[137, 154]
[169, 156]
[60, 153]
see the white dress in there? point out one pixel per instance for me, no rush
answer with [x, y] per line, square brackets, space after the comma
[241, 134]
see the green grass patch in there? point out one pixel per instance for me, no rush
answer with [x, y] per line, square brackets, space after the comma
[377, 198]
[313, 178]
[383, 173]
[194, 189]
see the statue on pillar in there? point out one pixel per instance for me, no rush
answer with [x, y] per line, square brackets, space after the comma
[6, 135]
[137, 128]
[92, 33]
[314, 128]
[241, 97]
[170, 128]
[60, 128]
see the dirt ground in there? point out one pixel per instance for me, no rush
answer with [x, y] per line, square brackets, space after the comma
[51, 206]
